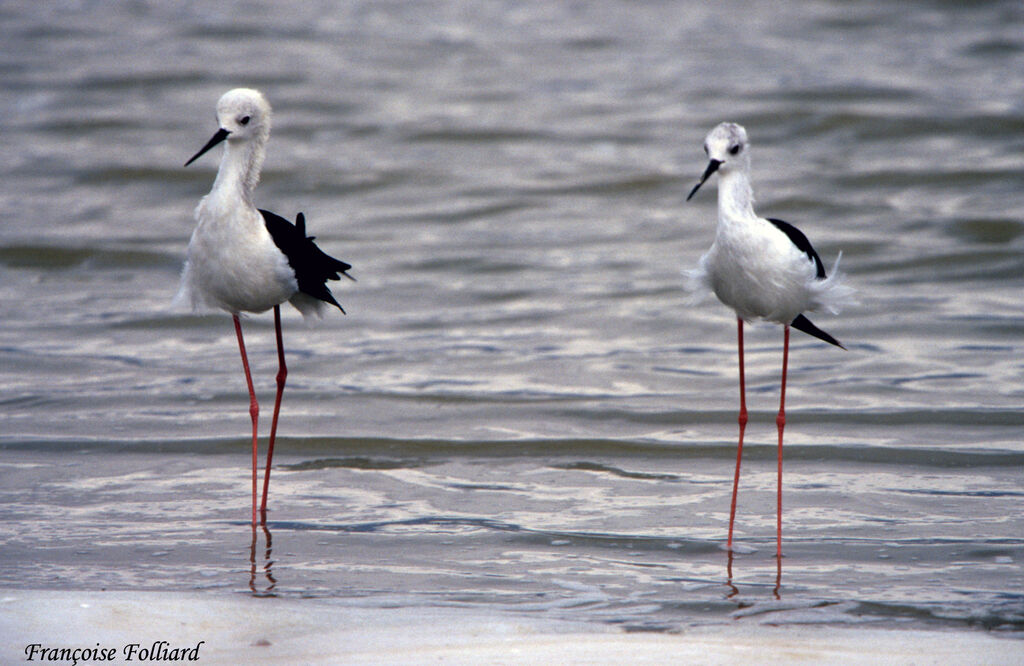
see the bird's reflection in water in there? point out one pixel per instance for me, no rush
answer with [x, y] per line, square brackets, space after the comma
[778, 575]
[261, 578]
[734, 591]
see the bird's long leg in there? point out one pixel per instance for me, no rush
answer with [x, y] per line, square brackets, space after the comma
[743, 427]
[780, 421]
[282, 375]
[254, 410]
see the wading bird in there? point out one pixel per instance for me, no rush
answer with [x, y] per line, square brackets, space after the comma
[762, 268]
[242, 259]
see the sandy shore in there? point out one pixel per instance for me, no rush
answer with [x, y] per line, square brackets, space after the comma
[275, 631]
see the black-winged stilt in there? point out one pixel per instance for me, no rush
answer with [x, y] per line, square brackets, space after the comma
[762, 269]
[241, 259]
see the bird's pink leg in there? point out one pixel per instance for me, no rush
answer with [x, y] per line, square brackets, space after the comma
[282, 374]
[743, 427]
[254, 410]
[780, 421]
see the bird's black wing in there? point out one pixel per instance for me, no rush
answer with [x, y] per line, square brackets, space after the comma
[800, 240]
[802, 323]
[313, 267]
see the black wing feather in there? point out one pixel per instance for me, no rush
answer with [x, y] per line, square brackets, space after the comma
[802, 323]
[800, 240]
[313, 267]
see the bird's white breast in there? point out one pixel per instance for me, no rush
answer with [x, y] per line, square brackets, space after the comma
[755, 269]
[233, 263]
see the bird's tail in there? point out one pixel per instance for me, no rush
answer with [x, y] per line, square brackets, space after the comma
[832, 294]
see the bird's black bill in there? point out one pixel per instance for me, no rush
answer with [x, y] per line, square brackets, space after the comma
[214, 140]
[712, 167]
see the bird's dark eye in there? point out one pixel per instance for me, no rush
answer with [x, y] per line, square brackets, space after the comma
[706, 149]
[735, 149]
[244, 120]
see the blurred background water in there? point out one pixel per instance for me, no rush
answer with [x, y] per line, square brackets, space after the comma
[523, 409]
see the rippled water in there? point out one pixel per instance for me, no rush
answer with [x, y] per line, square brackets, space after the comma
[523, 409]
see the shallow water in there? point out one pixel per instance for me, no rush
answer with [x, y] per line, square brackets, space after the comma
[523, 409]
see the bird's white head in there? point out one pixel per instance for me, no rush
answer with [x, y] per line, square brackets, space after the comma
[243, 114]
[727, 149]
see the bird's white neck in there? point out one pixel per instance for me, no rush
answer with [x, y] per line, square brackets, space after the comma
[735, 197]
[239, 171]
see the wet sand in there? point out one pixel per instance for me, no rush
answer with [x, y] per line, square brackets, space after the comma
[277, 631]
